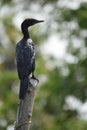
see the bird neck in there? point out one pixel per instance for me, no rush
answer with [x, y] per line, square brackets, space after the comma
[25, 33]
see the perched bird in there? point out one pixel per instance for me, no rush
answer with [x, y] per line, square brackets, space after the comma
[25, 56]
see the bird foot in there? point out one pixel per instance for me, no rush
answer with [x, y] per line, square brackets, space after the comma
[33, 82]
[33, 77]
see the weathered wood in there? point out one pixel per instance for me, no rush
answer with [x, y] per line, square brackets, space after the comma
[24, 112]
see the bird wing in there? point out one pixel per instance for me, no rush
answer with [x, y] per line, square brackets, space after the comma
[24, 57]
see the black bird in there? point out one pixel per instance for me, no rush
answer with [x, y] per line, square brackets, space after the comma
[25, 56]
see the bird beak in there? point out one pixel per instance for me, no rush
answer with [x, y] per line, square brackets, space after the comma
[39, 21]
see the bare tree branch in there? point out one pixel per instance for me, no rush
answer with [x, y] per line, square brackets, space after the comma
[25, 107]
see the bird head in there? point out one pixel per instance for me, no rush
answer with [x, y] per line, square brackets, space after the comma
[29, 22]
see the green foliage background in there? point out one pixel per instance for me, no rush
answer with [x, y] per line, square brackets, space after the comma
[65, 78]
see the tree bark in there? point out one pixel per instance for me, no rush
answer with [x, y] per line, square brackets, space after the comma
[24, 112]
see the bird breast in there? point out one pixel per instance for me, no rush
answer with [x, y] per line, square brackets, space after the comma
[29, 40]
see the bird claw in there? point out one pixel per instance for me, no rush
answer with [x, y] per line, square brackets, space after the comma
[33, 77]
[33, 82]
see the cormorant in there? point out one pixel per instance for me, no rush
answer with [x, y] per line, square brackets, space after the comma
[25, 56]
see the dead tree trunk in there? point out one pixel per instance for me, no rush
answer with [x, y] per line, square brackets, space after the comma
[24, 112]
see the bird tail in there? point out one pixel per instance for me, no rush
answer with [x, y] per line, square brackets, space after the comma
[23, 87]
